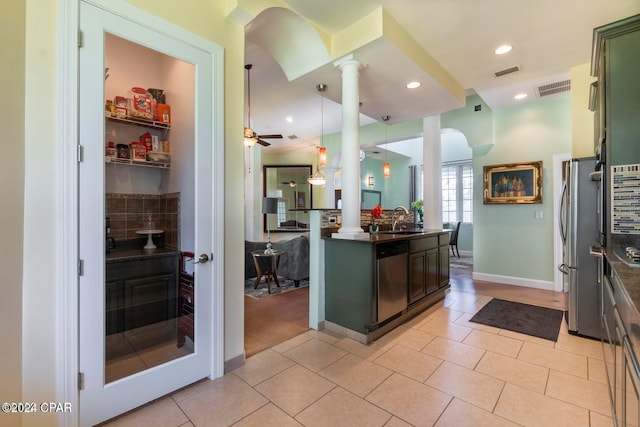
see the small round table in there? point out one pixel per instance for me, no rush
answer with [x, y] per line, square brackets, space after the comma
[266, 266]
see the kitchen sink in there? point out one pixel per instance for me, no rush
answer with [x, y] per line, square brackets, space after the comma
[403, 232]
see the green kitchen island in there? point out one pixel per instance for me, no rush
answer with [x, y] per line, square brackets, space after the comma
[374, 285]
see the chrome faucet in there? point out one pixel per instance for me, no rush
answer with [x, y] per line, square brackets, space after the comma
[394, 221]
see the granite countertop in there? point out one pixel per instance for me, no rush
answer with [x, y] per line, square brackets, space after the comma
[629, 276]
[388, 236]
[132, 254]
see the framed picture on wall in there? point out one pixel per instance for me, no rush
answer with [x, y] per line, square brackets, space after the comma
[300, 199]
[513, 183]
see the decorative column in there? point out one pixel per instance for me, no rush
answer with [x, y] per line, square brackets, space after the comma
[329, 187]
[432, 171]
[350, 229]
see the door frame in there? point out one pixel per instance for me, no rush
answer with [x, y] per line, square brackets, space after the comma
[67, 190]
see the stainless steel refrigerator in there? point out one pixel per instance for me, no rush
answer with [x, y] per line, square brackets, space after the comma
[580, 233]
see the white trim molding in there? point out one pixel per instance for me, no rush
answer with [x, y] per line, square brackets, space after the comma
[516, 281]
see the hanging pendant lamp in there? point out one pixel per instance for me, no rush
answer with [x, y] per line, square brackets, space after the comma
[318, 177]
[386, 168]
[322, 152]
[250, 137]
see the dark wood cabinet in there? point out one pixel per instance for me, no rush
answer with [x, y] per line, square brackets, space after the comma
[140, 292]
[428, 266]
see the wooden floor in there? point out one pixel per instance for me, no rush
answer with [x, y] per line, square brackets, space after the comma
[272, 320]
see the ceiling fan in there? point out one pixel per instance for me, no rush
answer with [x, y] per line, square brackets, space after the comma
[291, 183]
[250, 137]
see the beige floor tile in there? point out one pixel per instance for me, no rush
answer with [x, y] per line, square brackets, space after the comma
[446, 315]
[294, 389]
[453, 351]
[227, 400]
[409, 400]
[411, 363]
[527, 338]
[161, 413]
[325, 335]
[532, 409]
[570, 363]
[315, 354]
[414, 339]
[341, 408]
[357, 375]
[364, 351]
[496, 343]
[446, 330]
[599, 420]
[396, 422]
[579, 391]
[268, 416]
[468, 306]
[293, 342]
[473, 387]
[464, 321]
[262, 366]
[514, 371]
[596, 370]
[580, 345]
[463, 414]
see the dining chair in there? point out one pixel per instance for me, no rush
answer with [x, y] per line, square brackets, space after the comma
[453, 239]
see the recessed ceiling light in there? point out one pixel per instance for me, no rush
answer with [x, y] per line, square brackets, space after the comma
[520, 96]
[413, 85]
[289, 119]
[501, 50]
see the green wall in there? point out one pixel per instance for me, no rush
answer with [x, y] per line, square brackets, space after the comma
[508, 239]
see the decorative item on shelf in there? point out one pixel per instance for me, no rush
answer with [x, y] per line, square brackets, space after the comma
[418, 205]
[269, 206]
[386, 168]
[376, 213]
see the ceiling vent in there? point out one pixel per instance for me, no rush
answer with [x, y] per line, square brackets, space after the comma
[292, 136]
[553, 88]
[507, 71]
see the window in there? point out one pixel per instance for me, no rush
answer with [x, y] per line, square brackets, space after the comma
[457, 192]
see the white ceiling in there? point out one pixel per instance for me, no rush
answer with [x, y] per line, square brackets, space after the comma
[549, 38]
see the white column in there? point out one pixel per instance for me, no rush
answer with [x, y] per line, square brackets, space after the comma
[329, 187]
[350, 150]
[432, 171]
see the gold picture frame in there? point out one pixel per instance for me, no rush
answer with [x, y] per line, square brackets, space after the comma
[513, 183]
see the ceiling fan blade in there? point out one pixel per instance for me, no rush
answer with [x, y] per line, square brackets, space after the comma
[263, 143]
[275, 136]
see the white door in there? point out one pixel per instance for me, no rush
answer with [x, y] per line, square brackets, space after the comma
[106, 394]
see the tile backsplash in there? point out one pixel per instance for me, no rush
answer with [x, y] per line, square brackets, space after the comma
[128, 212]
[625, 199]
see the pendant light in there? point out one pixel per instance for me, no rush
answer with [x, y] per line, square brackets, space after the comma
[318, 177]
[250, 138]
[386, 169]
[322, 152]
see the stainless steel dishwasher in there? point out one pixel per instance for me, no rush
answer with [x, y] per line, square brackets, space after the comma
[391, 272]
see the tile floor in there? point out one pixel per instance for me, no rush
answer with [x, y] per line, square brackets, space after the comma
[439, 369]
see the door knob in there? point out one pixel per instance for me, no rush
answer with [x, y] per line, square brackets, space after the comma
[202, 259]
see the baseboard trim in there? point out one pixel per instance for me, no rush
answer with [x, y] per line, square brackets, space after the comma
[517, 281]
[234, 363]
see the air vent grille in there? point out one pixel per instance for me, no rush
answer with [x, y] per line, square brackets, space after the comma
[292, 136]
[507, 71]
[554, 88]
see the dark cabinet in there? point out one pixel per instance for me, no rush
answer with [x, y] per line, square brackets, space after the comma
[428, 266]
[140, 292]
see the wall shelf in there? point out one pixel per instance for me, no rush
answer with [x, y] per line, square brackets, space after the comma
[140, 163]
[140, 122]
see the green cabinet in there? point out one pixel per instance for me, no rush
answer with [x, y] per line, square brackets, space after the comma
[616, 64]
